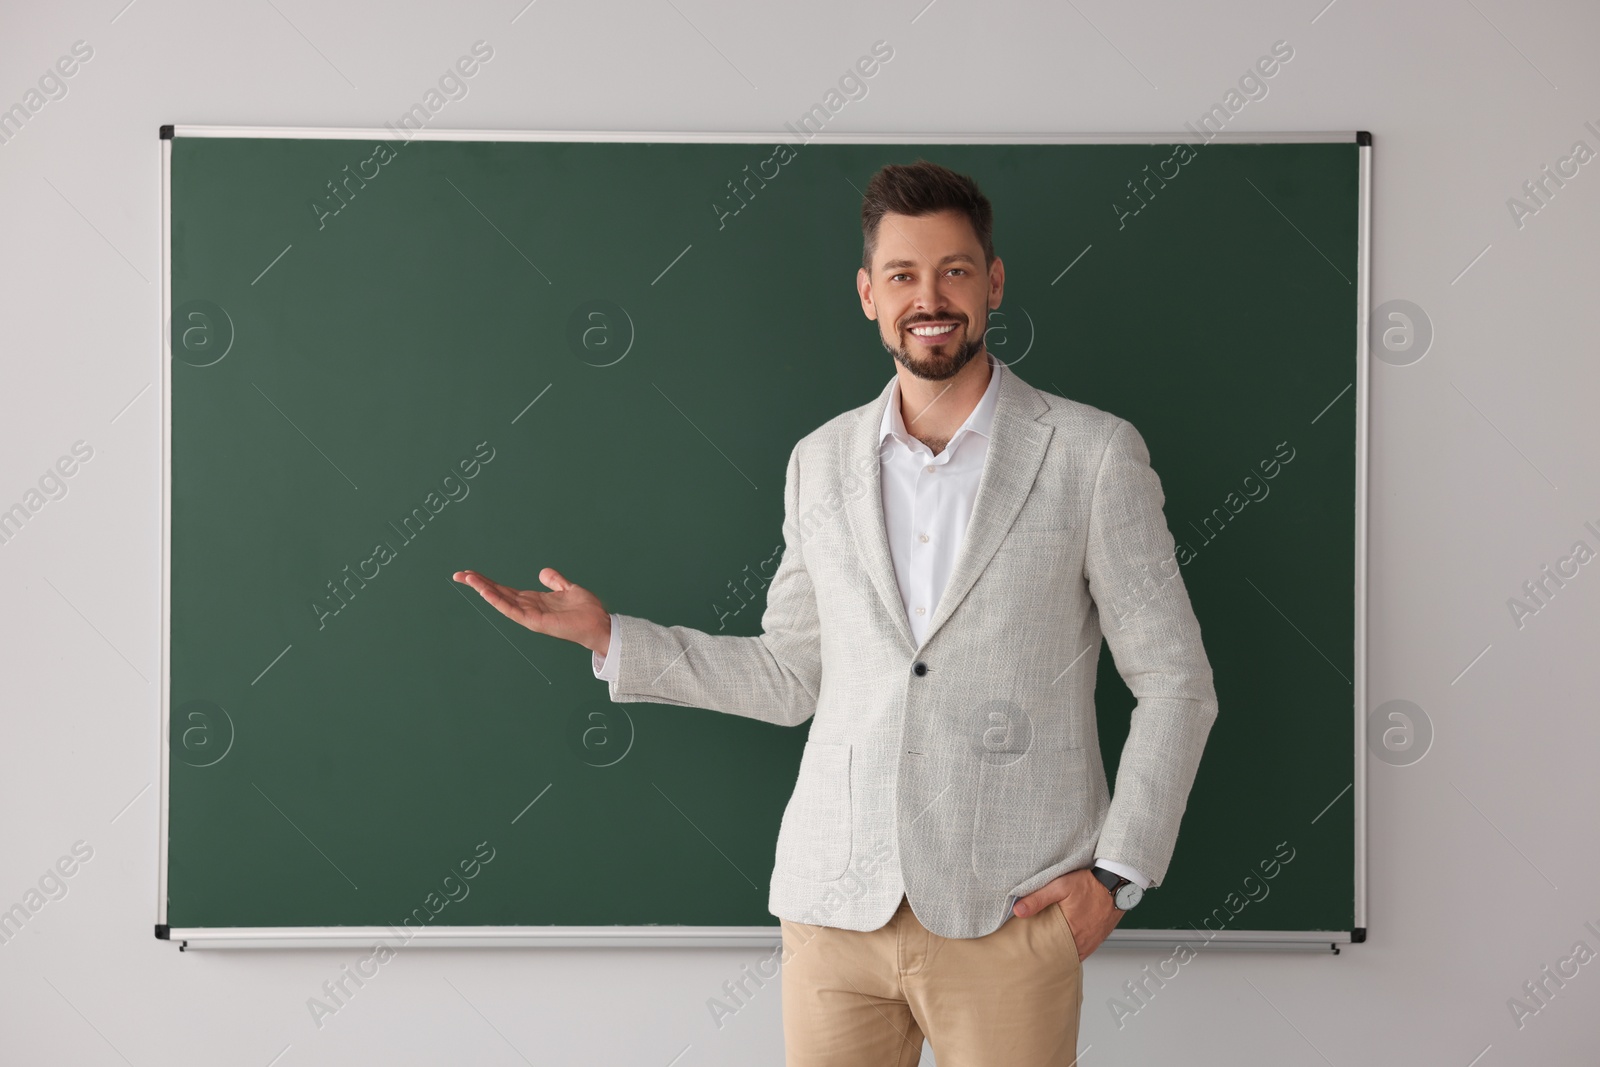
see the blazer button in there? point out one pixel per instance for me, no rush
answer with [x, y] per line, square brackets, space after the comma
[919, 669]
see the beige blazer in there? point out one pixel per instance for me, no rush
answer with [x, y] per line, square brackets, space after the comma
[966, 772]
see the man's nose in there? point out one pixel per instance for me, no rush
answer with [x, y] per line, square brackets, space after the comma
[929, 298]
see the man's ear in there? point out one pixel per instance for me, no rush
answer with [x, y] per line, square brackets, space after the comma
[997, 282]
[864, 291]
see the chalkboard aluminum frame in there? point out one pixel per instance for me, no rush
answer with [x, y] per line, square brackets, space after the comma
[758, 936]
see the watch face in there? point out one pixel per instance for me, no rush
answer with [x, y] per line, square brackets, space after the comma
[1128, 896]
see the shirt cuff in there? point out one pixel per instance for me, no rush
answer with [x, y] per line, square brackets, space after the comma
[609, 667]
[1130, 873]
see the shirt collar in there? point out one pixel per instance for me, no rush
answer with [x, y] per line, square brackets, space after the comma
[979, 421]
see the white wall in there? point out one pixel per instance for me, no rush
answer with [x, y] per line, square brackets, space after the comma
[1486, 464]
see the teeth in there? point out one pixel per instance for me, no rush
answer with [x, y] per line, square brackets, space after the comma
[931, 331]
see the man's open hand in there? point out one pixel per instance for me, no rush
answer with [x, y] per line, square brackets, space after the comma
[568, 611]
[1088, 907]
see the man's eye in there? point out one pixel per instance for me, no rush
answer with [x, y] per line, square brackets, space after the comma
[896, 277]
[957, 270]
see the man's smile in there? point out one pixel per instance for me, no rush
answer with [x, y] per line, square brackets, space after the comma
[933, 333]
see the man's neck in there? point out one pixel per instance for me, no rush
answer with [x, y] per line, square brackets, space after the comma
[934, 411]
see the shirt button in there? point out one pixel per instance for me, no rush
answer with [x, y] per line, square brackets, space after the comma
[923, 538]
[919, 669]
[929, 468]
[922, 611]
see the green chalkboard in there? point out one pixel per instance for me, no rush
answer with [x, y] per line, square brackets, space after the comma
[390, 363]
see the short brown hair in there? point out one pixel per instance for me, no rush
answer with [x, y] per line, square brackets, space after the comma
[923, 188]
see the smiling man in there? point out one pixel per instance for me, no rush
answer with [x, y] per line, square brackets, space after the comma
[951, 852]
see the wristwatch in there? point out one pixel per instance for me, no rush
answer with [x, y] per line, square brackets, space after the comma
[1124, 894]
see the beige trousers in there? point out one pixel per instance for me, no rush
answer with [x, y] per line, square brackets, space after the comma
[854, 999]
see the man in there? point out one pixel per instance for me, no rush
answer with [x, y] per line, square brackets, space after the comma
[954, 552]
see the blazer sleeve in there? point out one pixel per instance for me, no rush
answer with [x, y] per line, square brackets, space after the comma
[1145, 614]
[774, 677]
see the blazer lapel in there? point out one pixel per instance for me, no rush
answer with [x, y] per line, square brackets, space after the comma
[864, 510]
[1017, 445]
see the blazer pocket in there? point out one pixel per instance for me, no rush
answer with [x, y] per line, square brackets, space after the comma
[1043, 526]
[814, 837]
[1029, 815]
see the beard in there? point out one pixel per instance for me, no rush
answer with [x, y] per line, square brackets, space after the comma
[937, 365]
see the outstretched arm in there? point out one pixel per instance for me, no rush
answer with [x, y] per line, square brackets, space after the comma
[774, 677]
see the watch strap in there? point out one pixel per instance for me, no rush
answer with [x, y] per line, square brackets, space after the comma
[1110, 879]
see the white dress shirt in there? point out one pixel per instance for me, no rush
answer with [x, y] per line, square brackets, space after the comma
[927, 501]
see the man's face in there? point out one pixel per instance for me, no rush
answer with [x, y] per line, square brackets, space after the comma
[929, 292]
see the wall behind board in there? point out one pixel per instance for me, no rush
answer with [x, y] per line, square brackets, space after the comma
[1483, 476]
